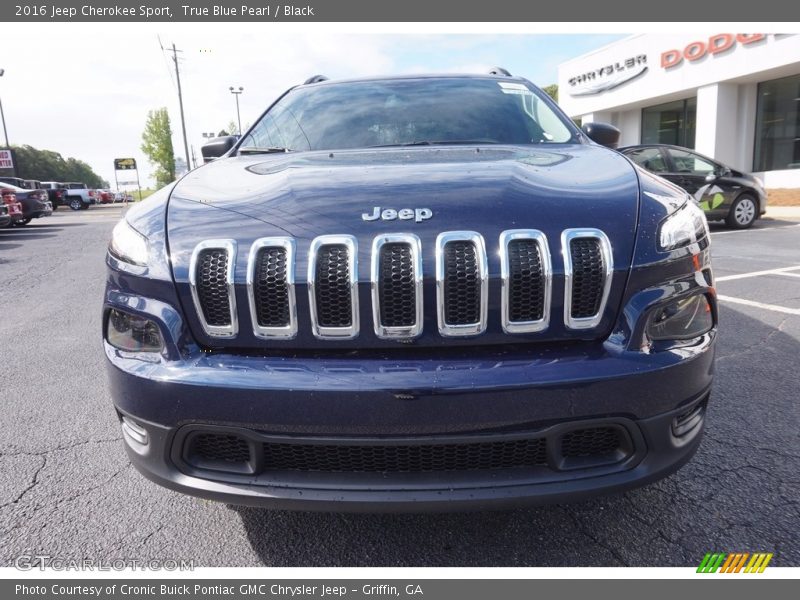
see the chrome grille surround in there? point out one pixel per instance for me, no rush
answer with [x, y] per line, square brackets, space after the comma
[336, 333]
[404, 332]
[478, 327]
[229, 246]
[540, 239]
[567, 237]
[288, 331]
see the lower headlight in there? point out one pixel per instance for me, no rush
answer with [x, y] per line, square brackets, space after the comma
[681, 319]
[132, 333]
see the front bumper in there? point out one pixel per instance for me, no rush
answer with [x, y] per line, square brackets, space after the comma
[344, 402]
[658, 453]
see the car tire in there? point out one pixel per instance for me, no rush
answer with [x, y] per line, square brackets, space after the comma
[743, 213]
[75, 204]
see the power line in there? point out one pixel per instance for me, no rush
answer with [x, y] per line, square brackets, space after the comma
[166, 64]
[180, 103]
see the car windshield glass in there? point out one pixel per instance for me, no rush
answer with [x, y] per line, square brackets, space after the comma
[408, 112]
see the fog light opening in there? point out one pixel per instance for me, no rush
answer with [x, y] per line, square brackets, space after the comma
[687, 422]
[132, 333]
[134, 431]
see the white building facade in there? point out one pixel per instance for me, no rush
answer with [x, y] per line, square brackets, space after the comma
[734, 97]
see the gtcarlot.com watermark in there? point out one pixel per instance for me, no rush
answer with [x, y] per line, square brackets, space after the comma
[42, 562]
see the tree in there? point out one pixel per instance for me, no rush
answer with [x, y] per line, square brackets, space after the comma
[46, 165]
[552, 91]
[157, 145]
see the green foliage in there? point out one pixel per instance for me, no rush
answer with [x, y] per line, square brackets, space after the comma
[552, 91]
[144, 194]
[157, 145]
[46, 165]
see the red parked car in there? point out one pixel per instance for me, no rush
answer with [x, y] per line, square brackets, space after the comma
[13, 205]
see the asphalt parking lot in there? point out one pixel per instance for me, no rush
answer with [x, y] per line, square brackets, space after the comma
[68, 491]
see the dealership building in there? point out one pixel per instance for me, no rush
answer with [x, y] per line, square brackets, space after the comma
[733, 97]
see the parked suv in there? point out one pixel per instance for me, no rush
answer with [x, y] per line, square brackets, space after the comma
[722, 192]
[411, 293]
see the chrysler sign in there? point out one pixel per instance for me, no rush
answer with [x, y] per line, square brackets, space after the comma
[608, 77]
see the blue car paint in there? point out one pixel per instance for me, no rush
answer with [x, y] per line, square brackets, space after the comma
[433, 386]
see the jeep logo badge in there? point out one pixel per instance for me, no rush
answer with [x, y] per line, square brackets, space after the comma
[404, 214]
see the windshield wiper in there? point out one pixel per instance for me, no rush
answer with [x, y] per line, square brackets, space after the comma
[437, 143]
[266, 150]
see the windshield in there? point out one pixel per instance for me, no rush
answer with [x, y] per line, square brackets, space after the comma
[408, 112]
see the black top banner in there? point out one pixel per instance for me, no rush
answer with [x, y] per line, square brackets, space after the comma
[401, 11]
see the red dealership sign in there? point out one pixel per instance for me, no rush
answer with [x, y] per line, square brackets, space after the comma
[716, 44]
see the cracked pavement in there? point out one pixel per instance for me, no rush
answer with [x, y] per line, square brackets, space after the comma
[68, 490]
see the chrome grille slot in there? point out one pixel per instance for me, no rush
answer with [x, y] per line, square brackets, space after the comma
[211, 279]
[332, 286]
[588, 267]
[526, 280]
[396, 281]
[270, 288]
[461, 283]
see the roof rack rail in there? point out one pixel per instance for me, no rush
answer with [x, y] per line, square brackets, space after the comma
[315, 79]
[499, 71]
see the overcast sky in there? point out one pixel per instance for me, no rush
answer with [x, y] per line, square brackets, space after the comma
[85, 91]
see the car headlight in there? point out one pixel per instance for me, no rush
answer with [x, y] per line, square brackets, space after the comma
[686, 226]
[681, 319]
[132, 333]
[128, 245]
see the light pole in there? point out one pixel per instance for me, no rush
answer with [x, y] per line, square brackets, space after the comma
[236, 93]
[3, 116]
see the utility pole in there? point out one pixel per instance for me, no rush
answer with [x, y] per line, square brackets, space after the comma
[236, 93]
[180, 102]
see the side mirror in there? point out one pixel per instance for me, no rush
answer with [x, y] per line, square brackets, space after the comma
[711, 177]
[602, 133]
[217, 147]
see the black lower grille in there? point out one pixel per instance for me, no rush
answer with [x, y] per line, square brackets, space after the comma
[270, 288]
[212, 286]
[591, 442]
[397, 289]
[526, 282]
[558, 449]
[404, 458]
[588, 277]
[462, 283]
[216, 447]
[333, 296]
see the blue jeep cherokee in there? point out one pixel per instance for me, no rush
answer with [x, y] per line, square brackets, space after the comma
[411, 293]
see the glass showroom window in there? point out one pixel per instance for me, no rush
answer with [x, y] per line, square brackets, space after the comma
[778, 125]
[670, 123]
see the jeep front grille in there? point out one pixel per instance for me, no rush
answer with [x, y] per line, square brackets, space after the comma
[332, 286]
[526, 280]
[396, 281]
[396, 276]
[588, 267]
[211, 277]
[461, 283]
[270, 288]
